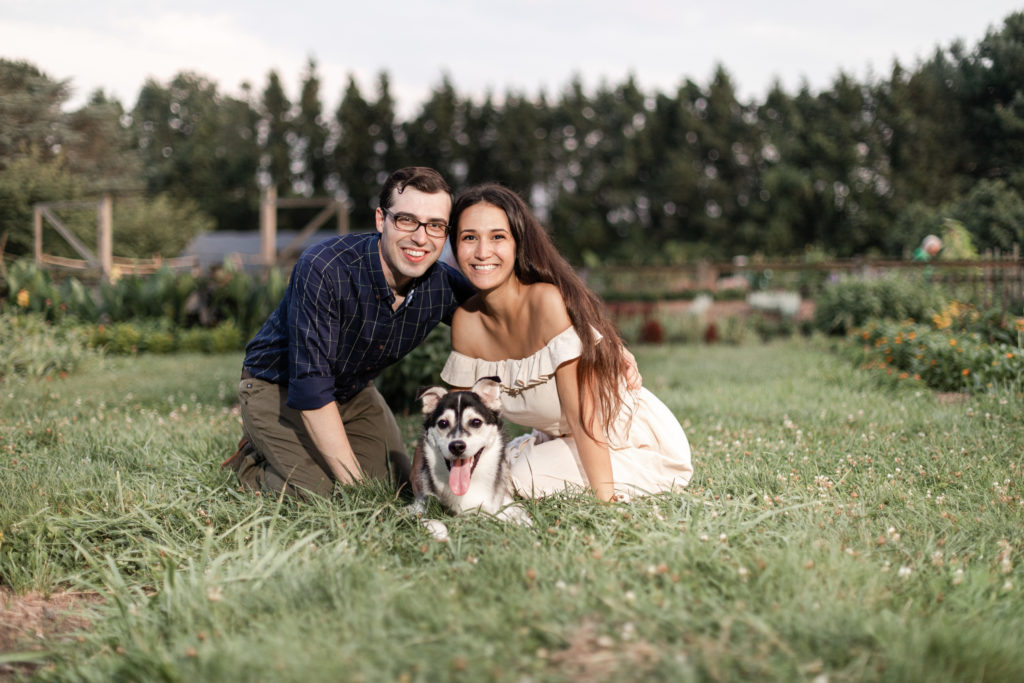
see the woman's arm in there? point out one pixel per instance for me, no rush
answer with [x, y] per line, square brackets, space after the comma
[597, 463]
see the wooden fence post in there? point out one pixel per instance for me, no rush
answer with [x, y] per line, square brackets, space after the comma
[268, 226]
[105, 236]
[37, 234]
[342, 209]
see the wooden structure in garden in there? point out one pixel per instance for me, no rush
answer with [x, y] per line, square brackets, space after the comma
[269, 205]
[102, 260]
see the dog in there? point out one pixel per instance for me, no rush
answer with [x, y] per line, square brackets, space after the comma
[463, 462]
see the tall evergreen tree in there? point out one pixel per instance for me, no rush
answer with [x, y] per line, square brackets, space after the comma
[278, 135]
[354, 155]
[100, 146]
[197, 144]
[388, 153]
[311, 134]
[31, 120]
[436, 137]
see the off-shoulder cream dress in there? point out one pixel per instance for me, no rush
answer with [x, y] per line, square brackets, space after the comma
[648, 447]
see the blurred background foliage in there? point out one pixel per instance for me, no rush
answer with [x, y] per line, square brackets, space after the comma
[620, 175]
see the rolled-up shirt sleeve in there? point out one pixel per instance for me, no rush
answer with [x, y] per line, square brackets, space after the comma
[314, 329]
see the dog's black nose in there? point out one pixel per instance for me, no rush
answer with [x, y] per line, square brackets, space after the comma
[457, 447]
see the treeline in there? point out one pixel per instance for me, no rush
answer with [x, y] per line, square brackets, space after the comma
[619, 174]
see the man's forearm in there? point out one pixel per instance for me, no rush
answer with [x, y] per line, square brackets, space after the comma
[325, 427]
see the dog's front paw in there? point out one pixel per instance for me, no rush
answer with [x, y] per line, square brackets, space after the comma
[436, 528]
[416, 508]
[517, 514]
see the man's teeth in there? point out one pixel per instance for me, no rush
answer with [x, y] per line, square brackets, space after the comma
[415, 252]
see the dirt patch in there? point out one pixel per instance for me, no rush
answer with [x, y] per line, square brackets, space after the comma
[590, 656]
[29, 622]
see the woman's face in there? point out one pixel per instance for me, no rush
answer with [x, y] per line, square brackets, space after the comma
[485, 248]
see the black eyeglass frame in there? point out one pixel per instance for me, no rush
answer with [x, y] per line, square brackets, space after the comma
[412, 219]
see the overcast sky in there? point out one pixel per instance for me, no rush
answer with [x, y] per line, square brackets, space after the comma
[494, 45]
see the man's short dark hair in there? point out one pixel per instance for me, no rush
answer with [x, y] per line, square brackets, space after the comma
[419, 177]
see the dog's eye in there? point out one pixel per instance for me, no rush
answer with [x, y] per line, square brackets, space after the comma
[475, 422]
[443, 424]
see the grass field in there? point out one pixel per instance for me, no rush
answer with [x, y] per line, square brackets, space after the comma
[837, 528]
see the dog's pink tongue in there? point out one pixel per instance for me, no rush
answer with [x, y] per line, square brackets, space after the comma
[458, 477]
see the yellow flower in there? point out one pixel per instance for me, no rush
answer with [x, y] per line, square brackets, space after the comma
[23, 298]
[952, 342]
[965, 372]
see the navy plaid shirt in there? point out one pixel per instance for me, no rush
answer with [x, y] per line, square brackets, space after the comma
[335, 330]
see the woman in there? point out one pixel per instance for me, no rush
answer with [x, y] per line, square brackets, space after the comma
[534, 324]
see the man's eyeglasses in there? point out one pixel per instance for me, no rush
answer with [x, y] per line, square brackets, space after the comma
[407, 223]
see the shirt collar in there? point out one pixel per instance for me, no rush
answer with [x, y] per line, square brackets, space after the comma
[381, 289]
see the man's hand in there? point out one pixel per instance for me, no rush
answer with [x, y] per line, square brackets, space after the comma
[325, 427]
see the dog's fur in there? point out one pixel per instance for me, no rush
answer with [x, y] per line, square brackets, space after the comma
[463, 462]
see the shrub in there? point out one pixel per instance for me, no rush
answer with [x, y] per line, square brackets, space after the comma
[161, 336]
[226, 337]
[195, 340]
[960, 349]
[946, 360]
[176, 299]
[652, 332]
[400, 383]
[34, 348]
[24, 182]
[852, 302]
[160, 225]
[733, 330]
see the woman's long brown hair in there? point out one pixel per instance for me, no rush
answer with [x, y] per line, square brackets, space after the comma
[601, 365]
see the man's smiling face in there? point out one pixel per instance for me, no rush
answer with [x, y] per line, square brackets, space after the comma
[407, 255]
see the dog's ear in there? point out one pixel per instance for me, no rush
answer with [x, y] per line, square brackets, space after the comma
[489, 389]
[430, 397]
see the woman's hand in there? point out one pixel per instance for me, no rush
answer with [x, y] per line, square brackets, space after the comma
[633, 379]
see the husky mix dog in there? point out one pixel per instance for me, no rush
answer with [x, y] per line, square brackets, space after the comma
[463, 460]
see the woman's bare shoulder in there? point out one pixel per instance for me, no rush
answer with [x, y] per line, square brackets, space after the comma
[467, 327]
[547, 309]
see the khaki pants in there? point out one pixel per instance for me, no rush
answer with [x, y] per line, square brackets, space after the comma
[285, 459]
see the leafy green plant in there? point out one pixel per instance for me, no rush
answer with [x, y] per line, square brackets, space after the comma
[172, 301]
[400, 383]
[34, 348]
[852, 302]
[941, 356]
[160, 225]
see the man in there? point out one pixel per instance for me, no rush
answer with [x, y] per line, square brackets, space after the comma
[354, 305]
[929, 249]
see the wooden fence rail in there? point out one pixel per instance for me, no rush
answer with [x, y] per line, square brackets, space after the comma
[995, 279]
